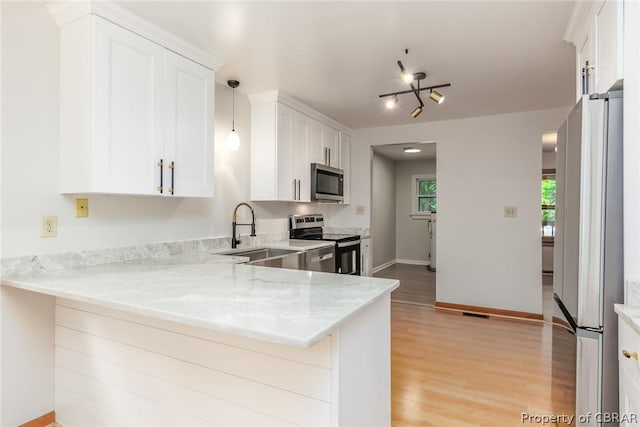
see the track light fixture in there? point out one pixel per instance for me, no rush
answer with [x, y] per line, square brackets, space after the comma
[410, 78]
[436, 96]
[391, 102]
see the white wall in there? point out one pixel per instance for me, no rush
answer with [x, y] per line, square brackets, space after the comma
[30, 145]
[383, 221]
[484, 164]
[549, 160]
[411, 234]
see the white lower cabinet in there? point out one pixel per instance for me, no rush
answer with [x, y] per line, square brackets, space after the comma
[629, 400]
[136, 118]
[629, 374]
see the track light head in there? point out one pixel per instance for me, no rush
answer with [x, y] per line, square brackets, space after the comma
[406, 77]
[436, 96]
[416, 112]
[391, 102]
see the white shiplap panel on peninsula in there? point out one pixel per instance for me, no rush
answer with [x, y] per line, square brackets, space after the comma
[120, 403]
[300, 378]
[319, 355]
[277, 389]
[164, 393]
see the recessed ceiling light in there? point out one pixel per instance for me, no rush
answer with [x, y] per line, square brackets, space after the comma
[412, 150]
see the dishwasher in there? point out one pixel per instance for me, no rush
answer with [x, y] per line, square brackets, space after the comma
[321, 259]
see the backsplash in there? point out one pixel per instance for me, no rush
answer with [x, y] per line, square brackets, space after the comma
[65, 260]
[632, 293]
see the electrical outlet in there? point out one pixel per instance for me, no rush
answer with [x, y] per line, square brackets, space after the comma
[82, 208]
[359, 210]
[49, 226]
[510, 211]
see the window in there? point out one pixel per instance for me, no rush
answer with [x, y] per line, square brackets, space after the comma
[423, 188]
[548, 203]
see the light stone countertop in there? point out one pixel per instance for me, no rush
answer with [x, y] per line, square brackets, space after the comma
[291, 307]
[630, 315]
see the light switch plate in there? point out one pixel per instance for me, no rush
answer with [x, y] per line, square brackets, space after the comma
[82, 208]
[510, 211]
[49, 227]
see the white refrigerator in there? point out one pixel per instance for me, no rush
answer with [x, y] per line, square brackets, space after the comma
[588, 269]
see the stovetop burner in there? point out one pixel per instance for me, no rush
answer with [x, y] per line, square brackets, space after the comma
[309, 227]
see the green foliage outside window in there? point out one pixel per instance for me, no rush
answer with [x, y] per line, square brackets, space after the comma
[549, 200]
[427, 195]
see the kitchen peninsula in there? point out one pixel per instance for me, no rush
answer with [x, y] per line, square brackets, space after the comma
[202, 340]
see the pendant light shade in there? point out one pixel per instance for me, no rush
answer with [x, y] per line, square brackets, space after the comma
[233, 140]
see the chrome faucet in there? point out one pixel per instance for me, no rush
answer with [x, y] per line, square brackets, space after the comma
[234, 224]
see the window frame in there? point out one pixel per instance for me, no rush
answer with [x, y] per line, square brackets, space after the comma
[415, 188]
[547, 174]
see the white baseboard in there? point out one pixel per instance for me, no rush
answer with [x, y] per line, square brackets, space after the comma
[398, 261]
[383, 266]
[412, 261]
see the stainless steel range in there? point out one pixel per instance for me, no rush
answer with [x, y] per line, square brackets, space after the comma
[347, 246]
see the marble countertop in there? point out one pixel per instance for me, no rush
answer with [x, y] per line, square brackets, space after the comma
[630, 315]
[291, 307]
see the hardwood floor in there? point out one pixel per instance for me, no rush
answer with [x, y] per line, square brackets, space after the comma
[417, 284]
[454, 370]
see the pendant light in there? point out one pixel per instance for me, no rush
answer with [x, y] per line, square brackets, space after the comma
[233, 140]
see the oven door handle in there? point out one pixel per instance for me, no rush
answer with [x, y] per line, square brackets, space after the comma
[350, 243]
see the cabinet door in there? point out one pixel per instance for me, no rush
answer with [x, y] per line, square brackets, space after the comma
[330, 147]
[609, 21]
[285, 178]
[299, 152]
[629, 399]
[190, 114]
[344, 164]
[316, 142]
[128, 108]
[587, 52]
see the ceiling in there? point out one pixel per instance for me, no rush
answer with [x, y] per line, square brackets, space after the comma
[338, 56]
[396, 151]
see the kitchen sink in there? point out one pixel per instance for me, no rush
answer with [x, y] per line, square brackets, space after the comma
[261, 253]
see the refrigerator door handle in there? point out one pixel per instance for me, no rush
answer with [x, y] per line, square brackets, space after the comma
[567, 316]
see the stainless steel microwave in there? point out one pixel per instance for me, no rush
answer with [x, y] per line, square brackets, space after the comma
[327, 183]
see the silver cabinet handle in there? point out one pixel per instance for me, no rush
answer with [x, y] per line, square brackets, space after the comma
[322, 258]
[299, 197]
[172, 166]
[294, 189]
[329, 162]
[160, 164]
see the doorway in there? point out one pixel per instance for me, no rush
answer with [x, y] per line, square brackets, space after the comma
[404, 218]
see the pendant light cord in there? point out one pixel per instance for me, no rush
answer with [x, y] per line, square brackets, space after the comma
[233, 121]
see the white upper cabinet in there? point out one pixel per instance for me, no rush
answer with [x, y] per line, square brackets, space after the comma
[189, 137]
[128, 112]
[279, 169]
[136, 117]
[609, 49]
[286, 137]
[596, 30]
[345, 165]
